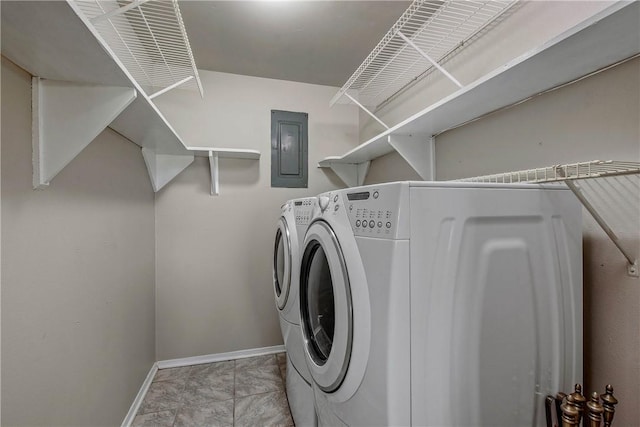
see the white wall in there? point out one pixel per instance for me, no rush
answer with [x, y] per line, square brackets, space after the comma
[596, 118]
[214, 254]
[77, 277]
[0, 255]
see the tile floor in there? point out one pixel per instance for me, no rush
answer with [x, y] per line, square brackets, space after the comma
[242, 392]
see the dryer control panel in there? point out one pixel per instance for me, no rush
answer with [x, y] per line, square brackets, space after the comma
[303, 209]
[374, 211]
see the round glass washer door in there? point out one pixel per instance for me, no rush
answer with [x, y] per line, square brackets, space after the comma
[282, 264]
[326, 313]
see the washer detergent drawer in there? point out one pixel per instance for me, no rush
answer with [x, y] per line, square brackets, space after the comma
[496, 304]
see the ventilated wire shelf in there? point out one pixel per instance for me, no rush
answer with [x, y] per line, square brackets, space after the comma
[149, 39]
[612, 200]
[573, 171]
[427, 28]
[617, 198]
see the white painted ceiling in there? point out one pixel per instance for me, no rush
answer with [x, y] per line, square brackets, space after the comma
[320, 42]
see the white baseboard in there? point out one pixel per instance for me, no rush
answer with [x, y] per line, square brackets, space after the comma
[218, 357]
[128, 420]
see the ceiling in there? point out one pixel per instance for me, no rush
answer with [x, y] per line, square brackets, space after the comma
[320, 42]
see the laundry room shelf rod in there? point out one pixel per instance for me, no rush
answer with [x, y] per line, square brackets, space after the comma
[569, 174]
[426, 33]
[149, 38]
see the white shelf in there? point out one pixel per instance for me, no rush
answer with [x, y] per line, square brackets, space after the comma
[51, 40]
[605, 39]
[426, 33]
[55, 41]
[570, 173]
[227, 153]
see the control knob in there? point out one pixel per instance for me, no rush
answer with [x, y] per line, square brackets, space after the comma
[323, 201]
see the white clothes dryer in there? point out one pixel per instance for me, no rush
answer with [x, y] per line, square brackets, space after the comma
[449, 304]
[292, 225]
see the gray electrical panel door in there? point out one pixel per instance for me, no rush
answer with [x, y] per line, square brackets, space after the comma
[289, 149]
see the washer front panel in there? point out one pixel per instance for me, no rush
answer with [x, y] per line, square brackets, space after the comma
[326, 313]
[282, 264]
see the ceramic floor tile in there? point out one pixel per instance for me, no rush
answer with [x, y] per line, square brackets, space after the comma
[211, 388]
[268, 409]
[211, 414]
[256, 362]
[172, 374]
[258, 380]
[162, 396]
[282, 364]
[212, 368]
[155, 419]
[251, 390]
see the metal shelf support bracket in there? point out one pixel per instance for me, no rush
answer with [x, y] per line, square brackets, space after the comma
[213, 167]
[355, 101]
[632, 266]
[632, 269]
[168, 88]
[119, 11]
[418, 152]
[352, 174]
[428, 58]
[215, 153]
[163, 168]
[66, 117]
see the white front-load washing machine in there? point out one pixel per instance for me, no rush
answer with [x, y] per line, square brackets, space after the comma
[295, 217]
[448, 304]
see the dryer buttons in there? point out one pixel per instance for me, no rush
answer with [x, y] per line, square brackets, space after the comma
[388, 225]
[375, 194]
[372, 224]
[358, 223]
[335, 199]
[379, 224]
[364, 224]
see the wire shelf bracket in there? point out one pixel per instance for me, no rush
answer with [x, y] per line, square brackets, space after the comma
[163, 168]
[214, 169]
[215, 153]
[418, 152]
[569, 174]
[66, 118]
[119, 11]
[366, 110]
[352, 174]
[428, 58]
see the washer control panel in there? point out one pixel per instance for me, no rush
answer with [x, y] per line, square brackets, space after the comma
[373, 211]
[303, 209]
